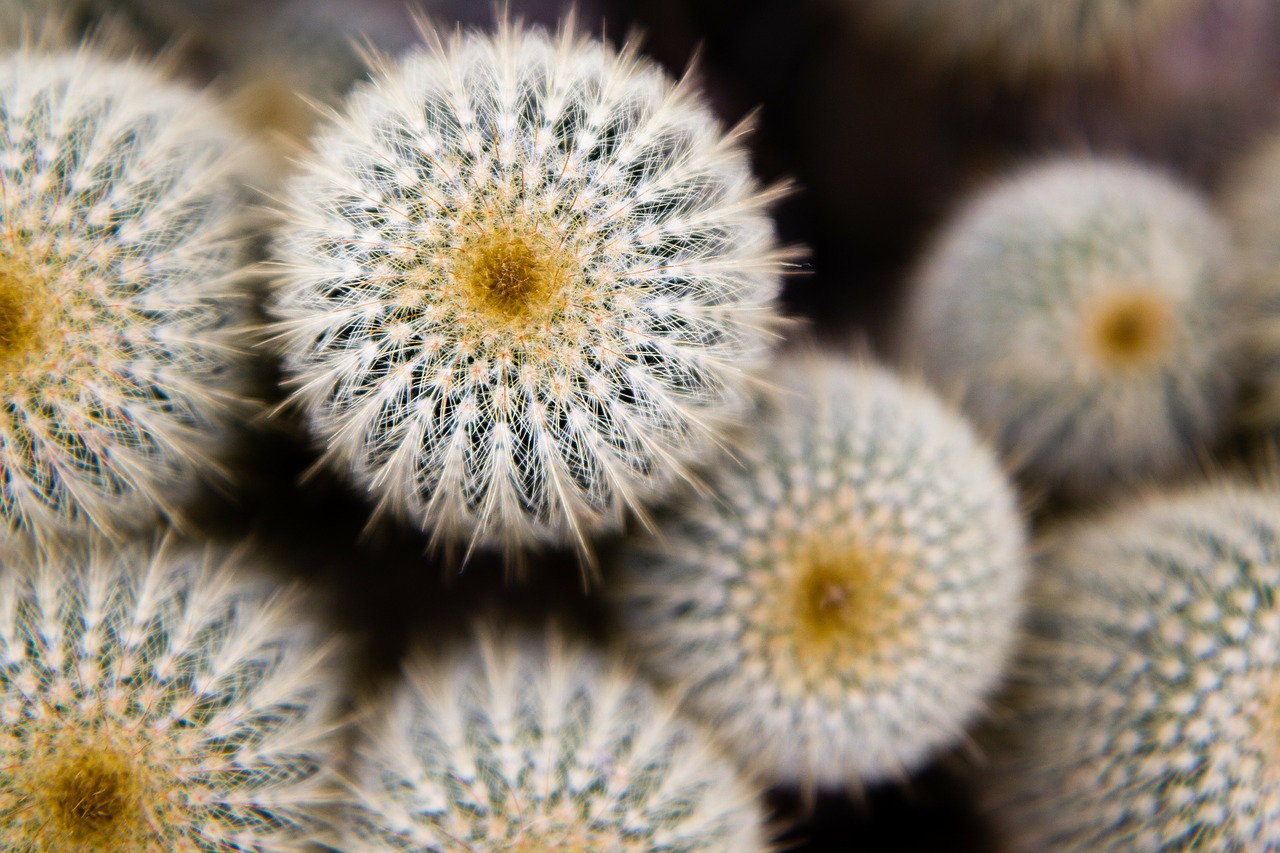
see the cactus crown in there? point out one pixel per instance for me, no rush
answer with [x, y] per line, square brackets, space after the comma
[524, 281]
[157, 703]
[520, 746]
[862, 512]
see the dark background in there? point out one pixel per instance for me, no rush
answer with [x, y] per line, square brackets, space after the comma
[880, 145]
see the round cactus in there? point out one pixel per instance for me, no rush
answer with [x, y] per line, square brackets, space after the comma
[1027, 37]
[118, 285]
[1148, 704]
[524, 282]
[1084, 312]
[519, 746]
[157, 703]
[844, 603]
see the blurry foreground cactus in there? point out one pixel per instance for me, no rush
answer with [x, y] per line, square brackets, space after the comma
[1149, 699]
[524, 282]
[119, 277]
[154, 704]
[519, 746]
[1027, 37]
[1085, 313]
[847, 599]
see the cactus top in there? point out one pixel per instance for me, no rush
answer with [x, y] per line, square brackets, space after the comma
[158, 703]
[842, 604]
[519, 746]
[1149, 699]
[1086, 312]
[523, 277]
[118, 290]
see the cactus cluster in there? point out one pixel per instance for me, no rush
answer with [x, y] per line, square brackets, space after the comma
[844, 603]
[1118, 348]
[527, 745]
[119, 280]
[156, 701]
[1149, 698]
[524, 281]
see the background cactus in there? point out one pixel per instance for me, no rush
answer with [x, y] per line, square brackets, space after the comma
[522, 282]
[1086, 314]
[1149, 705]
[524, 746]
[1023, 37]
[847, 599]
[119, 275]
[158, 703]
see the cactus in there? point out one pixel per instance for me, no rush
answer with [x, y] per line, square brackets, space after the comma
[844, 603]
[157, 702]
[1024, 38]
[520, 746]
[1085, 313]
[119, 277]
[524, 281]
[1148, 705]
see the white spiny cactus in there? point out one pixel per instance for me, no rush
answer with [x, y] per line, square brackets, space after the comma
[118, 288]
[524, 280]
[1027, 37]
[522, 747]
[844, 604]
[1148, 703]
[1085, 312]
[159, 703]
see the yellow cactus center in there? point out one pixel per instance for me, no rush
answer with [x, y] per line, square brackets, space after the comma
[24, 309]
[1130, 329]
[843, 604]
[512, 277]
[91, 791]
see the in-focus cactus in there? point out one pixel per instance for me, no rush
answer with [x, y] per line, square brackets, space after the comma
[1148, 703]
[158, 703]
[522, 746]
[1027, 37]
[844, 604]
[1085, 313]
[524, 280]
[119, 275]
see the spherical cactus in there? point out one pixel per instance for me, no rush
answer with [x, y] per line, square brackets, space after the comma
[158, 703]
[118, 288]
[1084, 311]
[1148, 703]
[524, 282]
[1021, 38]
[517, 746]
[842, 605]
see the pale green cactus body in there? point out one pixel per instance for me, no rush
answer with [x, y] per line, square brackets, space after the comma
[524, 282]
[1085, 313]
[1024, 38]
[119, 281]
[1148, 703]
[163, 703]
[843, 604]
[521, 746]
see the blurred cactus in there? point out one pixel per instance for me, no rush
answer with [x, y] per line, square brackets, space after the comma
[524, 280]
[158, 703]
[847, 600]
[1023, 38]
[1085, 312]
[119, 279]
[1148, 701]
[521, 746]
